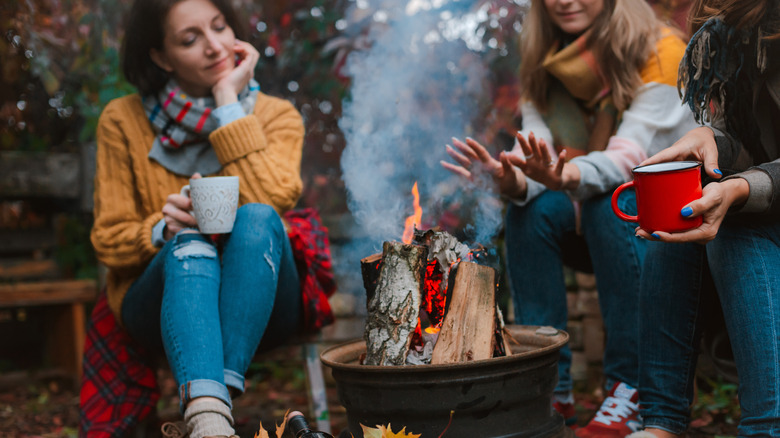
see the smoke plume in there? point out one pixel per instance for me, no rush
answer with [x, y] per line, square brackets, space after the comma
[419, 83]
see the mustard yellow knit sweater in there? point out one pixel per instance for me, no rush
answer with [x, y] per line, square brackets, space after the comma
[263, 149]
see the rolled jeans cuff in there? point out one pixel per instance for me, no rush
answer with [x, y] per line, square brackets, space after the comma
[234, 380]
[203, 388]
[664, 424]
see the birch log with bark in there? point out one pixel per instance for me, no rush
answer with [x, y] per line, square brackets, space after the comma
[468, 330]
[395, 305]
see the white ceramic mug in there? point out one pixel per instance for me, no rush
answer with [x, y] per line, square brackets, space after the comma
[214, 202]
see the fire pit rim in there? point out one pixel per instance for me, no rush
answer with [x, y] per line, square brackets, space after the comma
[562, 339]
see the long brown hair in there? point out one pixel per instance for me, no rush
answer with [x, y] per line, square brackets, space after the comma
[622, 38]
[741, 14]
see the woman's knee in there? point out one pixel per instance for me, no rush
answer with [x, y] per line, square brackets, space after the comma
[735, 239]
[598, 209]
[598, 221]
[550, 213]
[257, 218]
[188, 244]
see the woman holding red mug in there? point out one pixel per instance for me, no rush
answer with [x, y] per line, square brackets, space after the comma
[730, 77]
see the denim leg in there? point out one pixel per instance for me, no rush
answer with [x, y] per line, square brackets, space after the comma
[670, 305]
[745, 264]
[534, 234]
[180, 287]
[142, 304]
[190, 320]
[617, 258]
[259, 284]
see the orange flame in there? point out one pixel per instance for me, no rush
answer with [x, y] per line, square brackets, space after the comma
[414, 219]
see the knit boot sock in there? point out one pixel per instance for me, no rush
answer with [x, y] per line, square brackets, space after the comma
[209, 418]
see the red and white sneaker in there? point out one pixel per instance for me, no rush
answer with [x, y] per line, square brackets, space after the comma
[617, 417]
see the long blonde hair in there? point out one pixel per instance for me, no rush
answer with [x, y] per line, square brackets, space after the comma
[622, 38]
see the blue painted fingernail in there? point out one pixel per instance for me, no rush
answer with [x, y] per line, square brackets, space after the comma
[686, 211]
[718, 171]
[656, 236]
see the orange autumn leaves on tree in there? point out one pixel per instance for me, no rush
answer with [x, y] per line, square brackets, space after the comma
[382, 432]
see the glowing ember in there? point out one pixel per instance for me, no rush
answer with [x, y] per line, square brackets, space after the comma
[434, 298]
[414, 219]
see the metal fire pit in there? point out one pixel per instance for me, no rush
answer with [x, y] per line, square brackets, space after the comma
[504, 397]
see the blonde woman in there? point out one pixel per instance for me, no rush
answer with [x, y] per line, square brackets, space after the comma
[599, 97]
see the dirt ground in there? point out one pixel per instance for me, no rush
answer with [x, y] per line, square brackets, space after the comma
[46, 404]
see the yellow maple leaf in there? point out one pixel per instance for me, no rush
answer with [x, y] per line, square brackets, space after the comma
[279, 428]
[370, 432]
[386, 432]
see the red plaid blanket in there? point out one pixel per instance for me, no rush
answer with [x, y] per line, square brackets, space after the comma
[119, 386]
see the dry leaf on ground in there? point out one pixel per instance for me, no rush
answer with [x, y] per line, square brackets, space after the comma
[279, 428]
[382, 432]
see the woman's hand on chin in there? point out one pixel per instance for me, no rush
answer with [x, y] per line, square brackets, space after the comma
[226, 90]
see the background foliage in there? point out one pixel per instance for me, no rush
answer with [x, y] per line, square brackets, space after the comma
[60, 66]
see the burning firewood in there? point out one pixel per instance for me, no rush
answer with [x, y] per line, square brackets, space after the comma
[468, 331]
[456, 317]
[442, 247]
[395, 304]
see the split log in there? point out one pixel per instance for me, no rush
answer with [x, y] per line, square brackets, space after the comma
[503, 332]
[501, 345]
[468, 331]
[369, 269]
[395, 305]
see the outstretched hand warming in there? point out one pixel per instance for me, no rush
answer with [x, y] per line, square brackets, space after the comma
[473, 158]
[537, 163]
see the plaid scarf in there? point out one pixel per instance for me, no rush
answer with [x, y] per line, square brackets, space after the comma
[119, 385]
[183, 124]
[580, 112]
[576, 67]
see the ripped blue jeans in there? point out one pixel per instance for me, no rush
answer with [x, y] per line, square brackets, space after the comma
[209, 311]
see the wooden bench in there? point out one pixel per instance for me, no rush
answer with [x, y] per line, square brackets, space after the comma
[65, 315]
[30, 277]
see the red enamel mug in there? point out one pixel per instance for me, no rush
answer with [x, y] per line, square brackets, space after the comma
[662, 190]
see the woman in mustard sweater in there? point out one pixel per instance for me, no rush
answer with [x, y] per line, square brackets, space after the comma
[198, 112]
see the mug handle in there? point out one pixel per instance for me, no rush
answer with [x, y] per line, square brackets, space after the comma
[615, 208]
